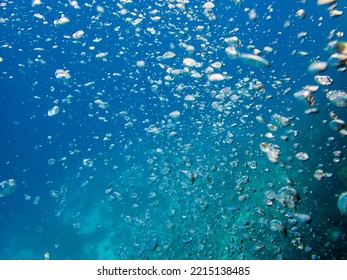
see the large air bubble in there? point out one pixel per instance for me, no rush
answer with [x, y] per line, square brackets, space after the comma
[342, 203]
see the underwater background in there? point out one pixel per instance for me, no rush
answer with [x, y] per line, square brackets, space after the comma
[173, 129]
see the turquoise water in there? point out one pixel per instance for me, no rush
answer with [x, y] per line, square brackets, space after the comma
[118, 142]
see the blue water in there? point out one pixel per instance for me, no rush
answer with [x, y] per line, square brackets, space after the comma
[140, 198]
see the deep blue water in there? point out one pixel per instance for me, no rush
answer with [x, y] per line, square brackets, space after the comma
[138, 199]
